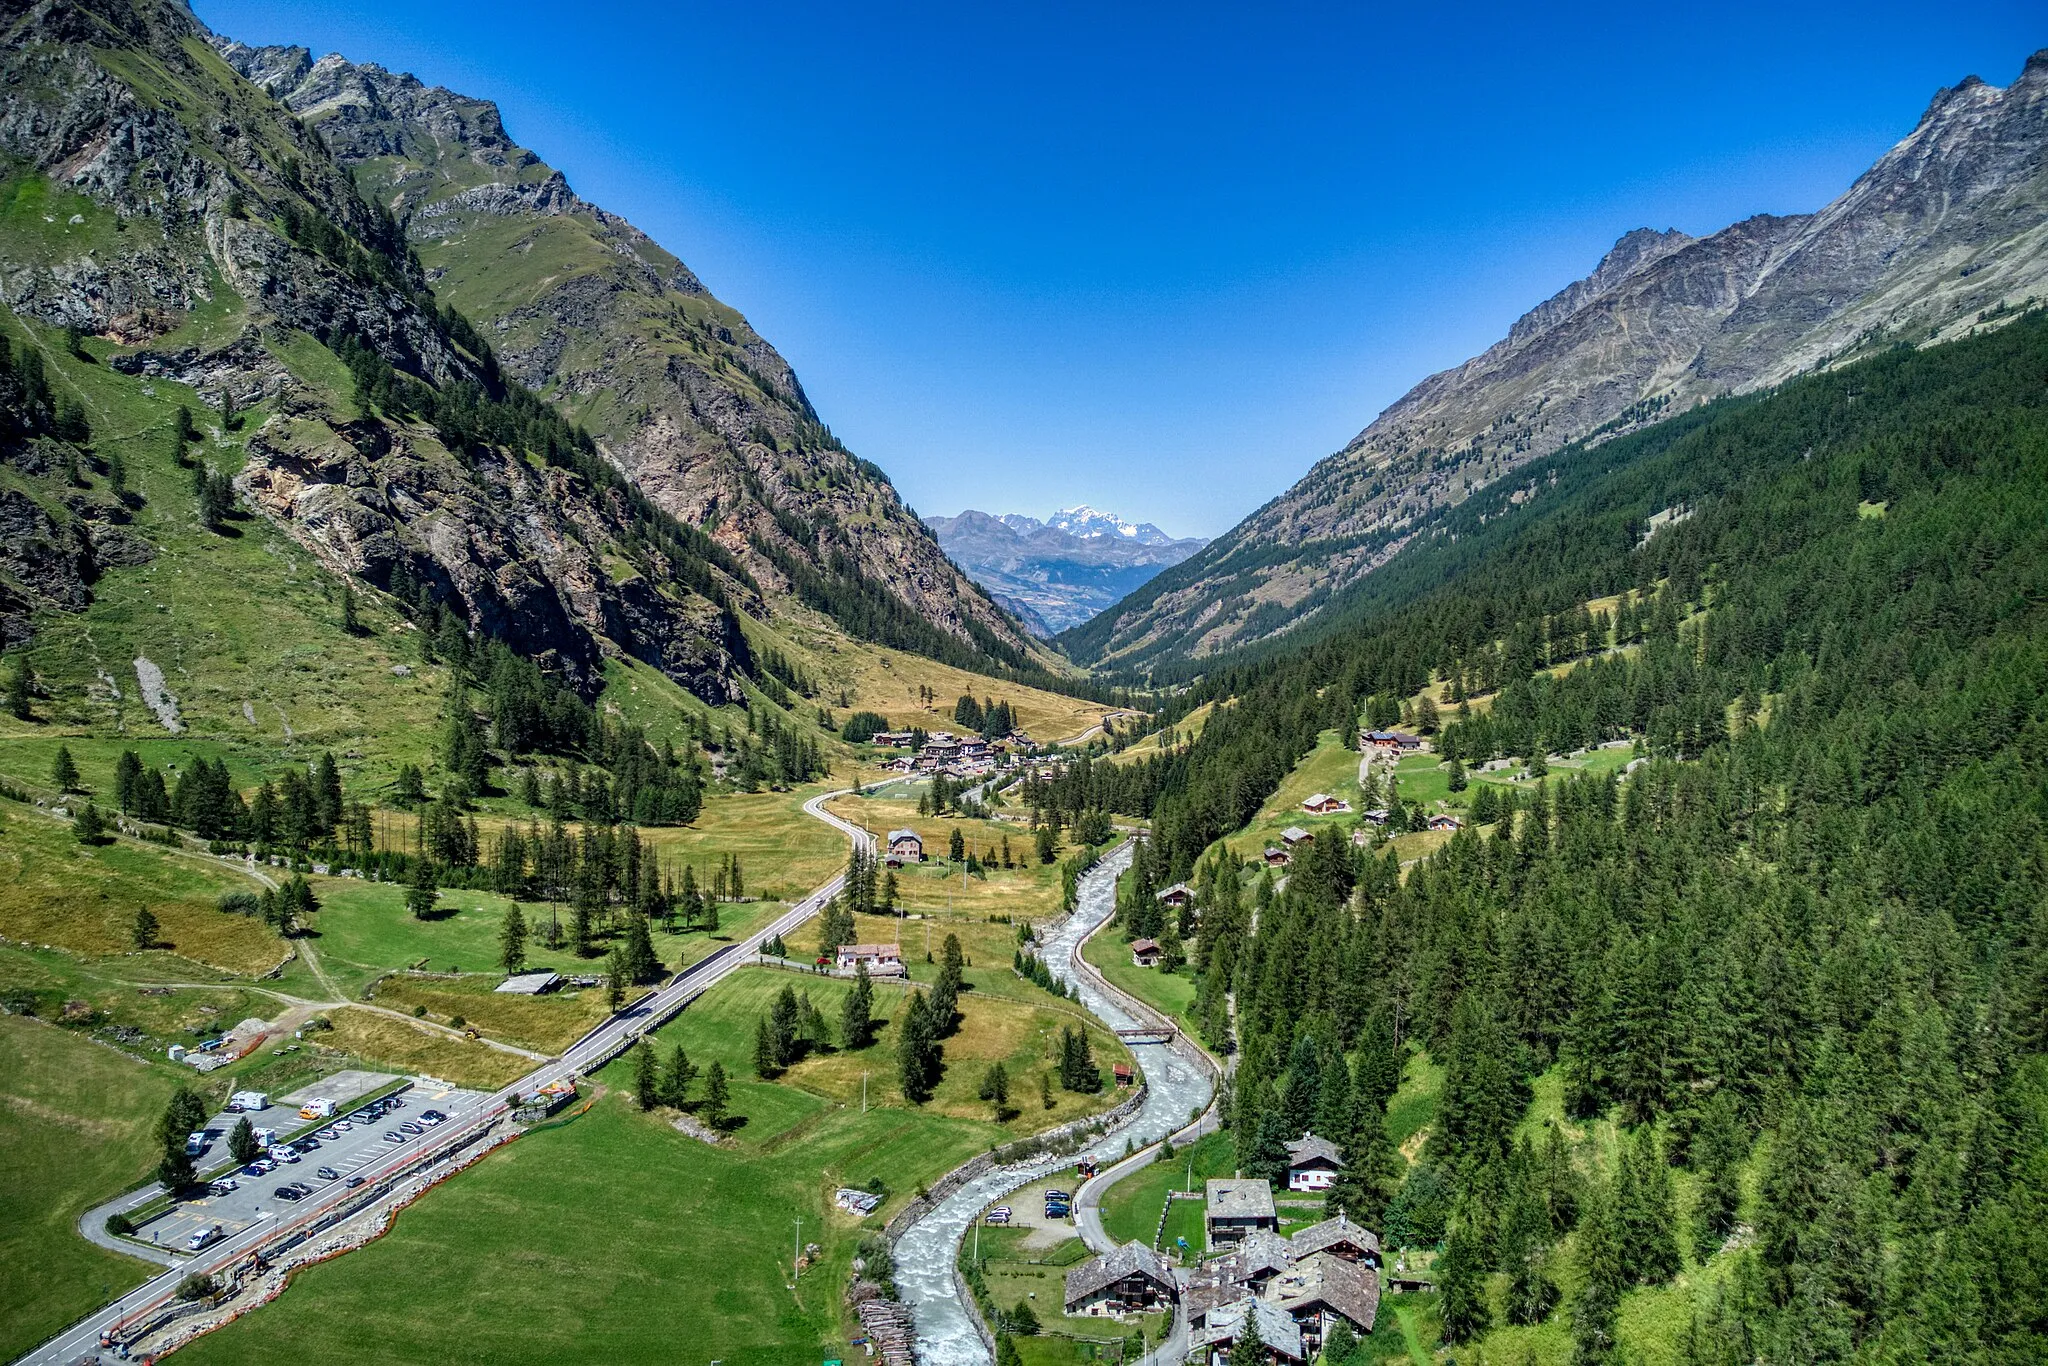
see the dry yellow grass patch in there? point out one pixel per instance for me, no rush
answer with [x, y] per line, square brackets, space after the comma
[547, 1023]
[400, 1047]
[54, 890]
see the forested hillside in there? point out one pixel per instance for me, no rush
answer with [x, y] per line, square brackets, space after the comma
[1785, 985]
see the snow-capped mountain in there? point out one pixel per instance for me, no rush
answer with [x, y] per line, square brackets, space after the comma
[1087, 523]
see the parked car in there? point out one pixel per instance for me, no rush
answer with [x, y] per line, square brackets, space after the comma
[341, 1125]
[288, 1193]
[432, 1117]
[252, 1169]
[999, 1215]
[227, 1185]
[412, 1128]
[205, 1238]
[328, 1174]
[393, 1136]
[396, 1102]
[329, 1134]
[265, 1165]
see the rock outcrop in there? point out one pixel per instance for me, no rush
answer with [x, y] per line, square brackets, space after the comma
[680, 391]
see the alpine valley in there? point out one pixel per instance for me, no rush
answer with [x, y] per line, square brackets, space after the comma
[516, 846]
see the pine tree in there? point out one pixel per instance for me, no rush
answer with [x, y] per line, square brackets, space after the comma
[856, 1011]
[512, 940]
[677, 1078]
[88, 826]
[717, 1096]
[1644, 1211]
[615, 978]
[21, 690]
[1461, 1284]
[995, 1088]
[145, 929]
[1600, 1253]
[646, 1084]
[127, 781]
[1718, 1152]
[422, 891]
[350, 622]
[242, 1144]
[63, 772]
[916, 1051]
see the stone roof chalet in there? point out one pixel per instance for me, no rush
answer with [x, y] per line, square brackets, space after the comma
[1328, 1282]
[1309, 1149]
[1132, 1259]
[1337, 1235]
[1275, 1326]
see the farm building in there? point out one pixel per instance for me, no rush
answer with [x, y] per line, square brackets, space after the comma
[1145, 953]
[883, 960]
[530, 983]
[1179, 894]
[1131, 1279]
[1237, 1206]
[1294, 836]
[1323, 804]
[1390, 742]
[1277, 858]
[1444, 822]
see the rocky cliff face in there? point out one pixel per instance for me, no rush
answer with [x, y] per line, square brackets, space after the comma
[1051, 576]
[681, 393]
[194, 221]
[1948, 229]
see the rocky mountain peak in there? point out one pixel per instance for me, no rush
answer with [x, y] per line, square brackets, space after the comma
[1942, 234]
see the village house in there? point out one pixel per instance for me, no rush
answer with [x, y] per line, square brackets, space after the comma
[1130, 1279]
[1390, 742]
[1444, 822]
[1178, 895]
[1122, 1074]
[1235, 1207]
[1312, 1164]
[883, 960]
[1294, 837]
[1323, 804]
[1340, 1238]
[1326, 1273]
[894, 739]
[1145, 953]
[1378, 815]
[905, 847]
[1224, 1325]
[1277, 858]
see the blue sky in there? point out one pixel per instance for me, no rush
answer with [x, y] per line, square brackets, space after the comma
[1161, 258]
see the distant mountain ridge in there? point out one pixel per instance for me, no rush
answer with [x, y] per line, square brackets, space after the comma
[1947, 232]
[1056, 574]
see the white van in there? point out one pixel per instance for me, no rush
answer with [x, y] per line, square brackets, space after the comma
[195, 1143]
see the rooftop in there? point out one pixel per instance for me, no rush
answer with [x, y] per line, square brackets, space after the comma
[530, 983]
[1133, 1258]
[1240, 1198]
[1308, 1148]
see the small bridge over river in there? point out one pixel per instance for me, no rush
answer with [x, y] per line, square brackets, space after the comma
[1160, 1035]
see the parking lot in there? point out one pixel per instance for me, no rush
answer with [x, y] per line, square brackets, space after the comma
[351, 1145]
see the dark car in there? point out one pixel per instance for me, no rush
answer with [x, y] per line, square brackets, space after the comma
[432, 1117]
[306, 1145]
[288, 1193]
[396, 1102]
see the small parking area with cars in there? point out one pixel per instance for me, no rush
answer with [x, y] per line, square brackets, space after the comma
[354, 1145]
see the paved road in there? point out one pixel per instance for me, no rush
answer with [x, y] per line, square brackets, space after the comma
[81, 1341]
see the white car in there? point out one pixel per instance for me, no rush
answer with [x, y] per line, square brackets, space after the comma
[283, 1154]
[203, 1239]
